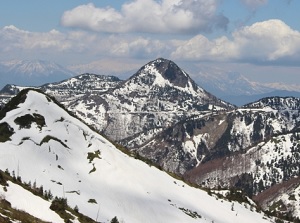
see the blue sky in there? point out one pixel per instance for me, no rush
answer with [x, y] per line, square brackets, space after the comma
[258, 38]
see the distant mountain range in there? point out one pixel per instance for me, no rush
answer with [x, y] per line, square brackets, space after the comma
[237, 89]
[228, 86]
[31, 73]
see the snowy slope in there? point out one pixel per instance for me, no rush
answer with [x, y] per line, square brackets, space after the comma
[22, 199]
[65, 156]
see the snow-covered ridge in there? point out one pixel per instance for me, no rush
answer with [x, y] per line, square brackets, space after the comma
[65, 156]
[24, 200]
[82, 84]
[277, 103]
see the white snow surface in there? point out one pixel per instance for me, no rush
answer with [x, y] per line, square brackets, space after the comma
[24, 200]
[121, 185]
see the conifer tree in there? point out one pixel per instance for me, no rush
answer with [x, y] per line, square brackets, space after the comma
[114, 220]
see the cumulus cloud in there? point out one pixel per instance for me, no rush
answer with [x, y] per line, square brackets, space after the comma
[263, 42]
[91, 18]
[150, 16]
[55, 44]
[13, 38]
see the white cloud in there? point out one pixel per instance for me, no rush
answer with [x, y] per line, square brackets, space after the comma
[13, 38]
[269, 40]
[136, 47]
[263, 42]
[91, 18]
[15, 43]
[150, 16]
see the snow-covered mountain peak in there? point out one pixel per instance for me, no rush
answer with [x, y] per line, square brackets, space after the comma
[163, 73]
[92, 77]
[32, 72]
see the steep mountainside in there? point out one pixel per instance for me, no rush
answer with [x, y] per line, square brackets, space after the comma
[199, 139]
[42, 143]
[258, 149]
[281, 198]
[20, 205]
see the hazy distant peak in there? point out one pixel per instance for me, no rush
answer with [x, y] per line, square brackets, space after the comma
[32, 72]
